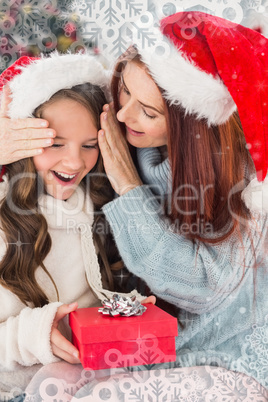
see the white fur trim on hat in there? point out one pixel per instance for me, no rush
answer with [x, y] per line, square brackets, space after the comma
[186, 84]
[255, 195]
[39, 80]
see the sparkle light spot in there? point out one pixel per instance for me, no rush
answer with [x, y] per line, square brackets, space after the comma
[242, 310]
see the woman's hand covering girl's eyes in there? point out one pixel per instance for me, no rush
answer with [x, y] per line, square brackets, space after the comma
[21, 138]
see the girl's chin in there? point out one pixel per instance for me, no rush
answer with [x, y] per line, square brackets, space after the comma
[60, 195]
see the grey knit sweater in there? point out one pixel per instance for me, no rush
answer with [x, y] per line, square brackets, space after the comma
[221, 289]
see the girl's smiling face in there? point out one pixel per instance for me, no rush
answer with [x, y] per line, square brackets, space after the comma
[75, 150]
[142, 108]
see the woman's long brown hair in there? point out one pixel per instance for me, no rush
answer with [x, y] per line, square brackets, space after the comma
[206, 165]
[25, 228]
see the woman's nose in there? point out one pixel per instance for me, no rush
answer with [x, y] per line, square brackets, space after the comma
[126, 113]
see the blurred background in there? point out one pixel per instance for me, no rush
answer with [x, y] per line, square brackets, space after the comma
[105, 27]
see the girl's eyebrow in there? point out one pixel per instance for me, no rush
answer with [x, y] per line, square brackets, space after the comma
[93, 139]
[58, 137]
[143, 104]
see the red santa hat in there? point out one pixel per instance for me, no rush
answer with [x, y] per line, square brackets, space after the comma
[212, 67]
[33, 80]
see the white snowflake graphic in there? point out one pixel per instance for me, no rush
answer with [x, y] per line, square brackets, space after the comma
[198, 384]
[255, 351]
[110, 25]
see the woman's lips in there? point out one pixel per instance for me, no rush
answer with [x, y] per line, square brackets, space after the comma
[133, 132]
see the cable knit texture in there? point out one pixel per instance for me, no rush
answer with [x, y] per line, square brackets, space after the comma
[213, 285]
[153, 170]
[25, 331]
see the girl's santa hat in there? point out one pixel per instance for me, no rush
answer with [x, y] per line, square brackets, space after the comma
[212, 67]
[58, 71]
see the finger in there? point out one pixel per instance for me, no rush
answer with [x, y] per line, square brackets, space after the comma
[66, 356]
[5, 101]
[28, 123]
[110, 131]
[63, 310]
[103, 144]
[105, 107]
[108, 160]
[151, 299]
[109, 118]
[62, 348]
[26, 153]
[29, 144]
[115, 130]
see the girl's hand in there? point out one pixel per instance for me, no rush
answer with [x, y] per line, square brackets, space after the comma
[61, 347]
[21, 138]
[117, 160]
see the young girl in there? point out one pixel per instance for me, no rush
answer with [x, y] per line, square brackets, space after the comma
[49, 265]
[183, 225]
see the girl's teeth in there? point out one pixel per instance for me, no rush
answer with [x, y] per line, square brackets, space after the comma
[66, 176]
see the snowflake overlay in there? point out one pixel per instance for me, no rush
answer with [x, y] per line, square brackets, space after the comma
[197, 384]
[110, 25]
[24, 23]
[255, 351]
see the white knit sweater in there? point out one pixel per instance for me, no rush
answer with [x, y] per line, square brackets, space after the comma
[73, 264]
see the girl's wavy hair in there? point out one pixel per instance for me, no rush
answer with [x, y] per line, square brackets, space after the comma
[205, 167]
[25, 228]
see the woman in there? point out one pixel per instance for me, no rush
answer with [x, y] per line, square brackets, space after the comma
[186, 231]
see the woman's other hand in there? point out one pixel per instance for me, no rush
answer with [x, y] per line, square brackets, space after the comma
[118, 163]
[150, 299]
[21, 138]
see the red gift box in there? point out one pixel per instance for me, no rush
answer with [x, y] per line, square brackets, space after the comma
[108, 342]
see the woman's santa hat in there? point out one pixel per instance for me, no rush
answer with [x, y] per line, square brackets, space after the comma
[33, 80]
[212, 67]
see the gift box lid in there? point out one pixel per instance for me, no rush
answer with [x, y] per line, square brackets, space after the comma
[90, 326]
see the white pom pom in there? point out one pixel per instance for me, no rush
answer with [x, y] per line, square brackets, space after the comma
[255, 196]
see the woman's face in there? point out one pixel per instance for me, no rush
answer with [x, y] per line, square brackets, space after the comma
[141, 108]
[75, 150]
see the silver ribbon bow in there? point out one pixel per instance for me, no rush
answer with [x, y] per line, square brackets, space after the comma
[120, 305]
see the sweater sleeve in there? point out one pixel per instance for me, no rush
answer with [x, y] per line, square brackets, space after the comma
[195, 277]
[25, 337]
